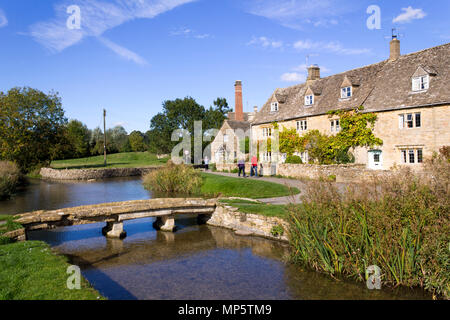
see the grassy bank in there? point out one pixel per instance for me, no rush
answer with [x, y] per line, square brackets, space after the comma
[268, 210]
[401, 225]
[215, 185]
[31, 271]
[119, 160]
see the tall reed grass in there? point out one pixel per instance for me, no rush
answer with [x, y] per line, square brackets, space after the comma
[401, 224]
[9, 179]
[174, 179]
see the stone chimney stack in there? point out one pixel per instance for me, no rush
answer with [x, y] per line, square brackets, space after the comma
[239, 108]
[395, 49]
[255, 109]
[314, 72]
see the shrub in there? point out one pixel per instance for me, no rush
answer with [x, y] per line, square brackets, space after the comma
[277, 231]
[400, 224]
[9, 179]
[174, 179]
[294, 160]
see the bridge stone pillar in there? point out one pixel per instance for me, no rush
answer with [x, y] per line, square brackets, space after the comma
[114, 230]
[165, 223]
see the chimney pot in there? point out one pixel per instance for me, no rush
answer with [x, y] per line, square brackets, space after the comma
[314, 72]
[395, 49]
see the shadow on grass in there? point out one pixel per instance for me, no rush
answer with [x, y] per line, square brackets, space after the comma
[92, 166]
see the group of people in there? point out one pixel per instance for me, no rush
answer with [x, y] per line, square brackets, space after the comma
[253, 170]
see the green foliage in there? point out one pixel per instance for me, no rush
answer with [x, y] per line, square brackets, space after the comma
[78, 136]
[174, 179]
[244, 145]
[181, 114]
[137, 142]
[319, 147]
[400, 224]
[277, 231]
[9, 179]
[31, 124]
[294, 160]
[290, 141]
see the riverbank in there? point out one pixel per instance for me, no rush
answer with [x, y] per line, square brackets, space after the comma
[93, 174]
[32, 271]
[117, 160]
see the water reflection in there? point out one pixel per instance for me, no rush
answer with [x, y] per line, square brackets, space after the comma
[48, 195]
[197, 262]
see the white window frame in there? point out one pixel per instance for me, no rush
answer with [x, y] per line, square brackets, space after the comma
[309, 100]
[421, 83]
[413, 118]
[304, 156]
[267, 156]
[226, 138]
[274, 107]
[267, 132]
[302, 125]
[346, 92]
[407, 153]
[335, 125]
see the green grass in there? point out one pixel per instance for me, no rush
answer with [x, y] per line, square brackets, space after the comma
[214, 185]
[7, 224]
[31, 271]
[118, 160]
[268, 210]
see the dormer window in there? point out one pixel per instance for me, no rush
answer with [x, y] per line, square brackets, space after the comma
[309, 100]
[346, 92]
[274, 106]
[420, 83]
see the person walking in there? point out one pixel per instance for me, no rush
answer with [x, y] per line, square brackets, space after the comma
[254, 170]
[241, 166]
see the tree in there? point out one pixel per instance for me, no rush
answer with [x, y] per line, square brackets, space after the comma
[214, 117]
[30, 124]
[78, 136]
[137, 141]
[117, 140]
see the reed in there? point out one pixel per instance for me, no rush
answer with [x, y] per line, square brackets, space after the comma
[400, 224]
[9, 179]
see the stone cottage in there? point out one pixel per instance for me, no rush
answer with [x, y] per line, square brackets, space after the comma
[226, 145]
[409, 93]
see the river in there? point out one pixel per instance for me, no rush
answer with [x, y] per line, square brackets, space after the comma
[196, 262]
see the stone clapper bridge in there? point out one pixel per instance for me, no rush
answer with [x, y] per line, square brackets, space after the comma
[114, 214]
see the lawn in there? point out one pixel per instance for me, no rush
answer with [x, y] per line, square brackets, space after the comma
[118, 160]
[268, 210]
[31, 271]
[214, 185]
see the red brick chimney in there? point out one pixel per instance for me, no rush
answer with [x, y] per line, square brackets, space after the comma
[239, 108]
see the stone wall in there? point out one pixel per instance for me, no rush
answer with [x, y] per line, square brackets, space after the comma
[93, 174]
[247, 224]
[343, 173]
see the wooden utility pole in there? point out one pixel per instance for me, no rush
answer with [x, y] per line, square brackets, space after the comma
[104, 135]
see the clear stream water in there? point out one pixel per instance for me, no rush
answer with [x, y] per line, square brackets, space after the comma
[196, 262]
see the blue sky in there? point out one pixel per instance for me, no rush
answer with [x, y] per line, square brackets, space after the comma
[130, 55]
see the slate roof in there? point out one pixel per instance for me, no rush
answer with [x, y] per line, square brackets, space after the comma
[244, 125]
[384, 86]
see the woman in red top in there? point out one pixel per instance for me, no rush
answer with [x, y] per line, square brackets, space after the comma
[254, 170]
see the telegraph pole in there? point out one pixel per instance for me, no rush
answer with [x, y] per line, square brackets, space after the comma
[104, 135]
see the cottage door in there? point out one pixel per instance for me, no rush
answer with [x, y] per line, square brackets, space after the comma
[375, 160]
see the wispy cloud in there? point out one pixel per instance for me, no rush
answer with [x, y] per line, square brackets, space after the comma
[296, 13]
[293, 77]
[265, 42]
[123, 52]
[3, 20]
[409, 14]
[332, 46]
[189, 33]
[96, 18]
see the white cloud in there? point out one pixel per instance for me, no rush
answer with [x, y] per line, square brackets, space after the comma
[333, 46]
[293, 77]
[3, 20]
[265, 42]
[409, 14]
[296, 13]
[186, 32]
[96, 18]
[123, 52]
